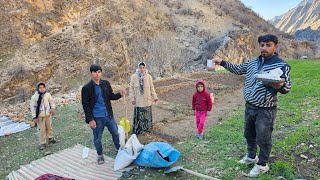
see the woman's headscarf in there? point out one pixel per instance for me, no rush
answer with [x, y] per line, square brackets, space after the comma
[141, 76]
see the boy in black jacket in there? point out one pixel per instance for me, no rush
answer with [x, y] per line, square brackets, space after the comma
[96, 96]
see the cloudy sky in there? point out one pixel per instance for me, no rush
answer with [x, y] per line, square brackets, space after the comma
[268, 9]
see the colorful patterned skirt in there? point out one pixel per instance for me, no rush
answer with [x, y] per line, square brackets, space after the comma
[142, 120]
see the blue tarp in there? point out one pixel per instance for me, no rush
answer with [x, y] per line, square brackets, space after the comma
[157, 155]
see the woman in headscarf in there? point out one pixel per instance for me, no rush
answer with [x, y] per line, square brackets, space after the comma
[142, 95]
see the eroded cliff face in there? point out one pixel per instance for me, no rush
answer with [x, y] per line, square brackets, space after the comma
[239, 45]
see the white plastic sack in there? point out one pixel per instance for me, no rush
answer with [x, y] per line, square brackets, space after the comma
[122, 136]
[212, 98]
[127, 154]
[210, 64]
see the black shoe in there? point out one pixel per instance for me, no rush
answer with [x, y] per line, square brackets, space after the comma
[52, 141]
[41, 146]
[118, 147]
[100, 159]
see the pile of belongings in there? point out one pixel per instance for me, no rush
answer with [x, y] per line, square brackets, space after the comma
[154, 154]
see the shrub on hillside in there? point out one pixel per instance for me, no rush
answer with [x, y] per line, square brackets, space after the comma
[178, 4]
[314, 48]
[294, 45]
[225, 9]
[40, 27]
[23, 94]
[168, 4]
[16, 40]
[205, 34]
[172, 22]
[132, 5]
[218, 12]
[286, 35]
[17, 70]
[187, 11]
[297, 54]
[104, 35]
[281, 48]
[154, 2]
[198, 14]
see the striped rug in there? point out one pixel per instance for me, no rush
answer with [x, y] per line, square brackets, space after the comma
[70, 164]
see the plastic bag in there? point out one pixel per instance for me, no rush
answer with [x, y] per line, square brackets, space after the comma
[212, 98]
[157, 155]
[128, 153]
[122, 136]
[210, 65]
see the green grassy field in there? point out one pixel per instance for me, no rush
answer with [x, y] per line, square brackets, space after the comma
[296, 133]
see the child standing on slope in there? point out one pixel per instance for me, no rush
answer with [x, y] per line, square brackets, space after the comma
[201, 103]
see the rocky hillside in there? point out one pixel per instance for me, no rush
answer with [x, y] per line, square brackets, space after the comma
[55, 41]
[303, 21]
[308, 34]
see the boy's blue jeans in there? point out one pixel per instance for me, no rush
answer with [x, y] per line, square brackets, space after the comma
[98, 131]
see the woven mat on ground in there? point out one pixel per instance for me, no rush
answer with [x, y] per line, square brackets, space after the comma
[70, 164]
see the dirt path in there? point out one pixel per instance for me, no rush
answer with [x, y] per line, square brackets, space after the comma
[172, 116]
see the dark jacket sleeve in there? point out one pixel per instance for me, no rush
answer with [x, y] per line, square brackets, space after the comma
[113, 96]
[86, 104]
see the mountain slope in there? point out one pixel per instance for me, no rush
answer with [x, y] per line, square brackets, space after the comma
[55, 41]
[305, 15]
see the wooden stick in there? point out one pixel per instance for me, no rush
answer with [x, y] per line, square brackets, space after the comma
[198, 174]
[125, 123]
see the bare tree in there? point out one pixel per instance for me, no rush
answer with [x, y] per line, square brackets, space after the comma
[314, 47]
[162, 54]
[281, 48]
[294, 45]
[296, 54]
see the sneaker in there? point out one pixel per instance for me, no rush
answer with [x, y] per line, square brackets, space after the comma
[258, 169]
[247, 160]
[200, 136]
[100, 159]
[41, 146]
[52, 141]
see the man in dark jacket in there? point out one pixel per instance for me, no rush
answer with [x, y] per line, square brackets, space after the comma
[96, 96]
[261, 100]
